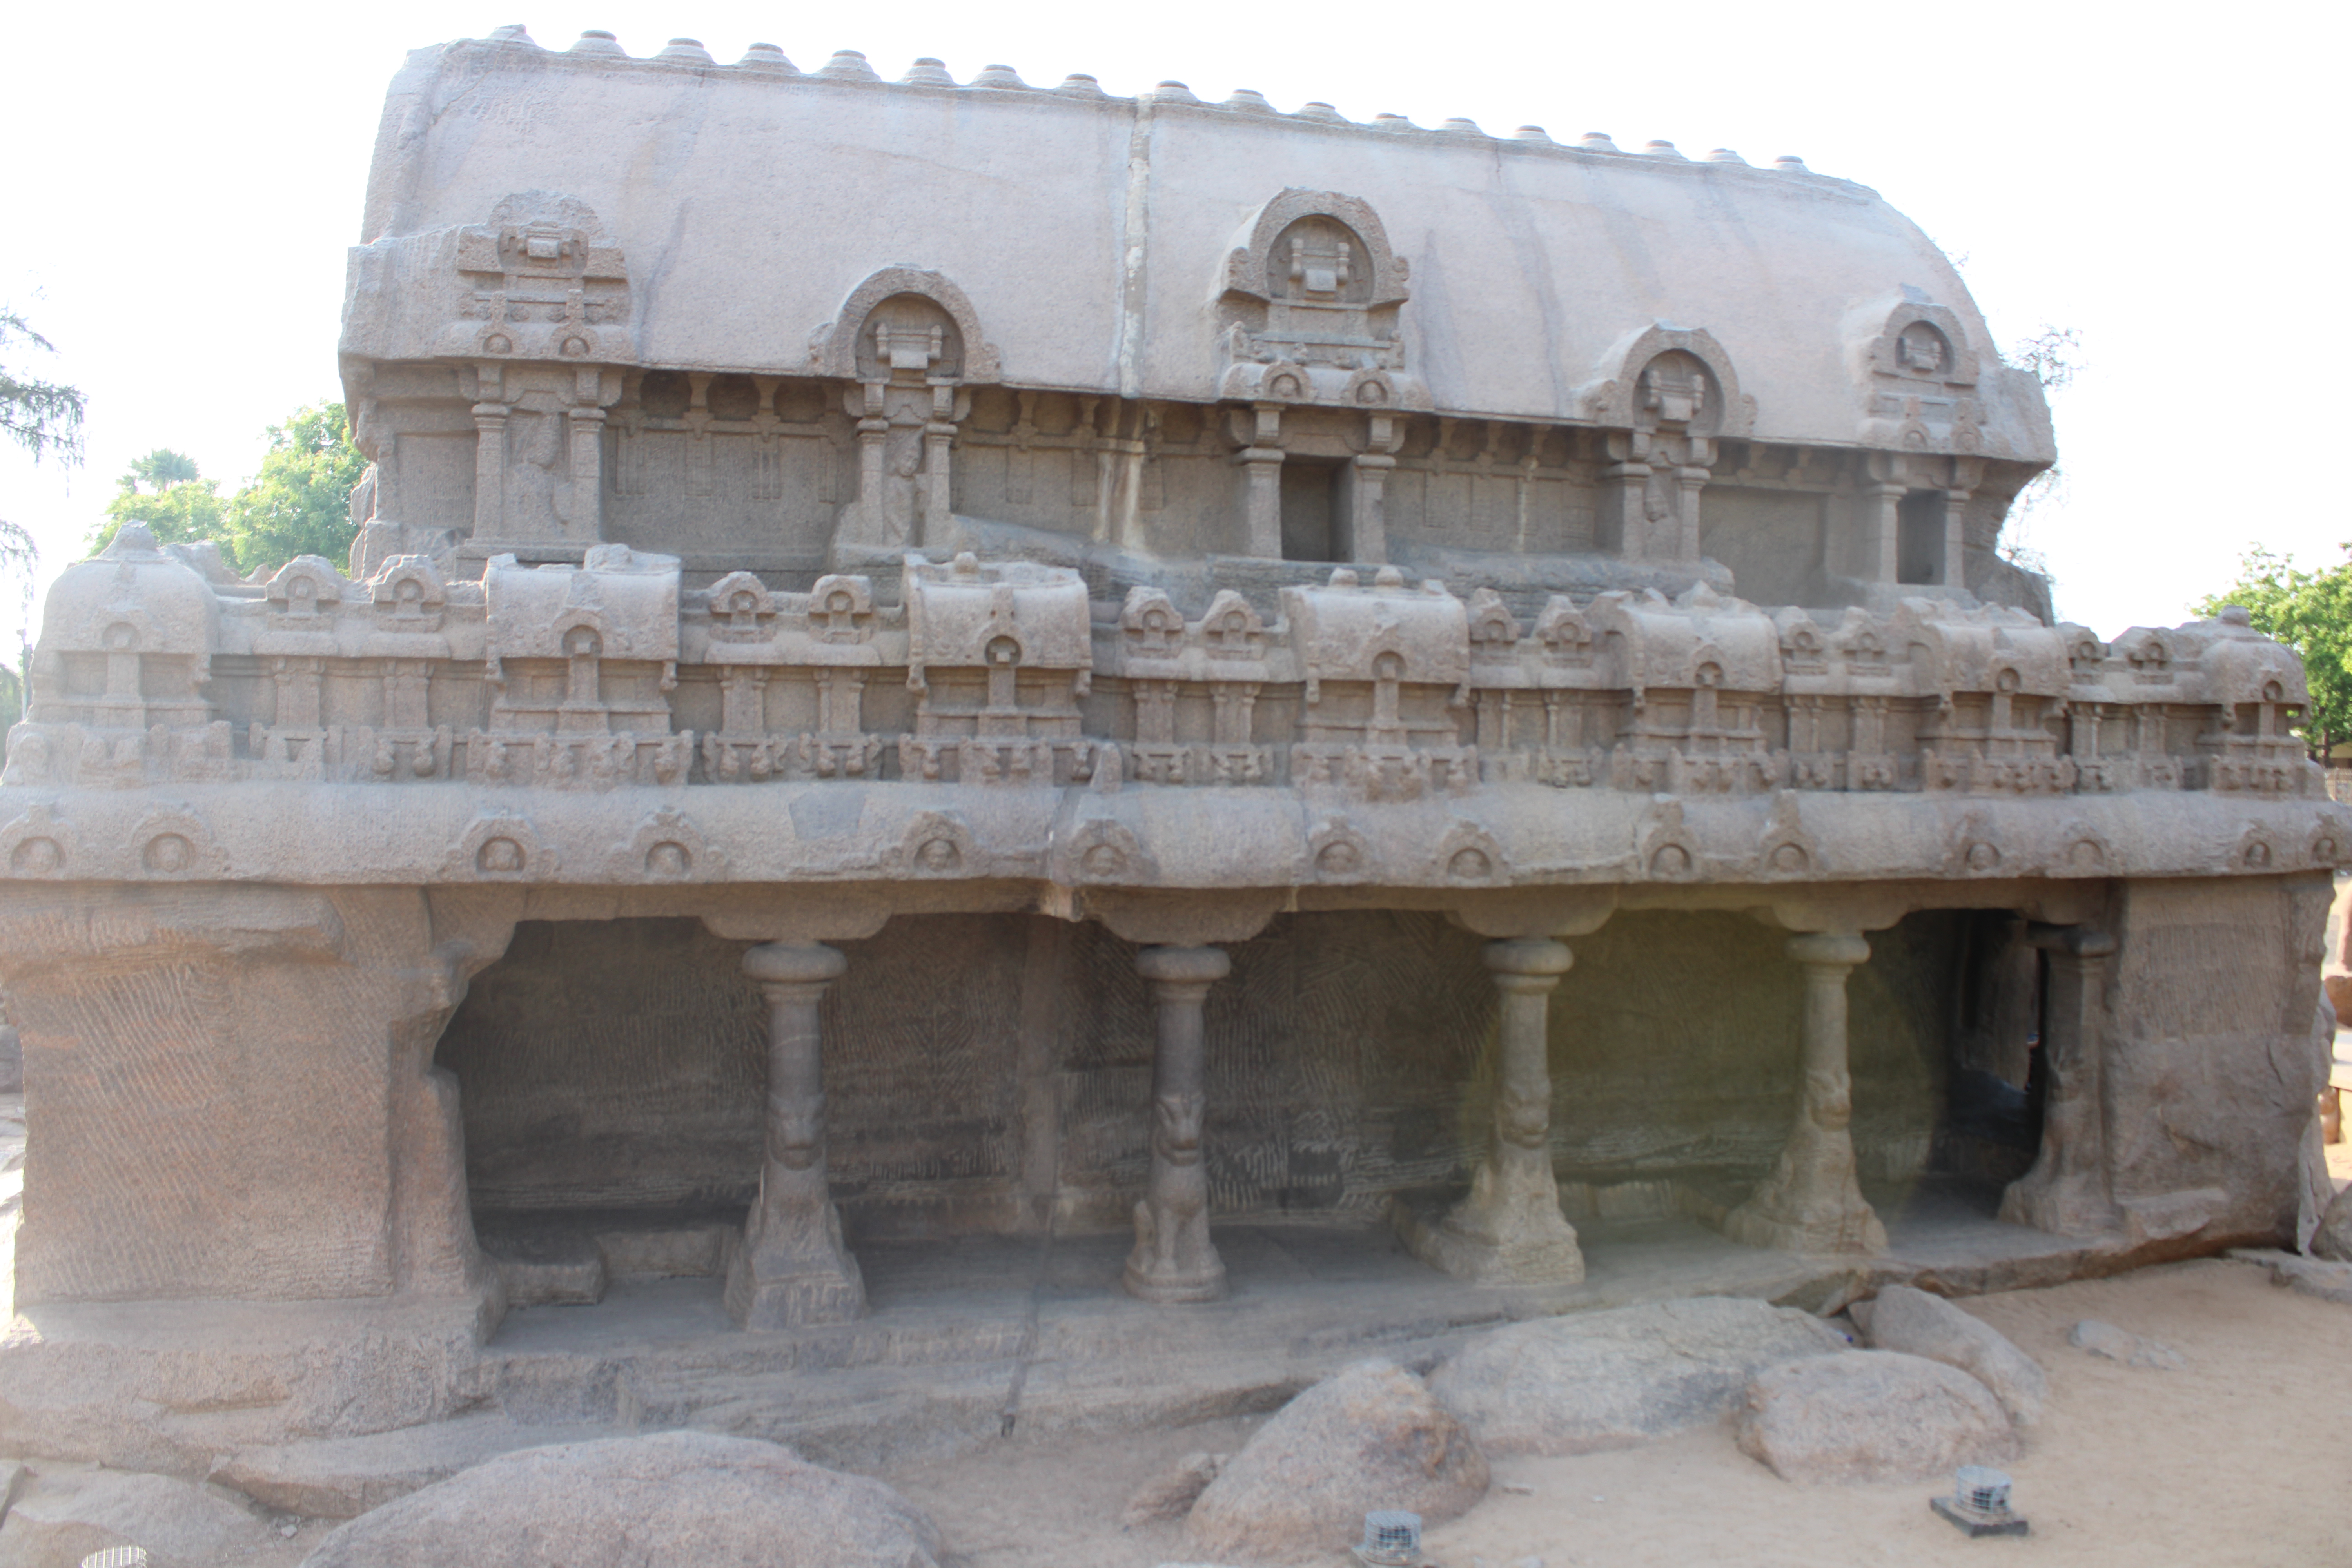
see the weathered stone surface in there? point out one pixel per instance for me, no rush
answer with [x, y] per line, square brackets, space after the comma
[1917, 1323]
[1096, 584]
[2111, 1343]
[1370, 1438]
[1171, 1494]
[61, 1518]
[1584, 1382]
[1870, 1415]
[681, 1499]
[340, 1477]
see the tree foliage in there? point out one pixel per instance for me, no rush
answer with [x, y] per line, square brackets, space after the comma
[2311, 612]
[42, 417]
[298, 504]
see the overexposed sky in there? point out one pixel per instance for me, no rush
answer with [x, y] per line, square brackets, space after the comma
[2160, 178]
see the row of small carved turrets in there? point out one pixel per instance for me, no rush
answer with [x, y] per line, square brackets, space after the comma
[612, 673]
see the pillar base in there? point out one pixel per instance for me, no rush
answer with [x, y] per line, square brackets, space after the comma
[1529, 1247]
[801, 1282]
[1809, 1204]
[1200, 1283]
[2064, 1205]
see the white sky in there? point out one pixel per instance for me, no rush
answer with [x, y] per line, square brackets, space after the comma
[186, 179]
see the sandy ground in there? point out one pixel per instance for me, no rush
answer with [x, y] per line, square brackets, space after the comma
[2236, 1460]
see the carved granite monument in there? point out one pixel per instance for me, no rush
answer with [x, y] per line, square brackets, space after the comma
[927, 659]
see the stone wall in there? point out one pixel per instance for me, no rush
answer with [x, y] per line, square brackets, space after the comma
[986, 1070]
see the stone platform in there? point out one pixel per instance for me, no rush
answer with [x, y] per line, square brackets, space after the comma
[980, 1339]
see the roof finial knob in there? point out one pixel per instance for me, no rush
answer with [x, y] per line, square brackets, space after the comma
[767, 56]
[927, 71]
[596, 41]
[1597, 141]
[1079, 84]
[513, 33]
[1788, 163]
[686, 51]
[1657, 147]
[1457, 126]
[1172, 93]
[1724, 155]
[1250, 99]
[999, 77]
[1531, 133]
[1387, 122]
[848, 65]
[1320, 110]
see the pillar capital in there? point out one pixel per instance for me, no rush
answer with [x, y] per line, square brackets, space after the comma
[1183, 965]
[2082, 941]
[794, 963]
[1530, 959]
[1830, 949]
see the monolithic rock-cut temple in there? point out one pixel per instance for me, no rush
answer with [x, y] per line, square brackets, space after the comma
[939, 660]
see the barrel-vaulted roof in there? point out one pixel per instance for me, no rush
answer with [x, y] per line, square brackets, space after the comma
[1099, 243]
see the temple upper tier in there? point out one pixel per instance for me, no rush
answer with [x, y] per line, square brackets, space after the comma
[793, 322]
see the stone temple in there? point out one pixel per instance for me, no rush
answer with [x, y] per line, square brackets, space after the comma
[939, 672]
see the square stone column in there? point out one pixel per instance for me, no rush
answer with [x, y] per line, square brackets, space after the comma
[792, 1268]
[2066, 1192]
[1811, 1202]
[1174, 1261]
[1509, 1229]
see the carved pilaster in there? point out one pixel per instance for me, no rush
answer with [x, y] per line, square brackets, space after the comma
[490, 471]
[1261, 461]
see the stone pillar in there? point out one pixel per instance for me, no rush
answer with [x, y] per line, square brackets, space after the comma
[1882, 531]
[939, 447]
[1174, 1261]
[1510, 1229]
[1811, 1202]
[1262, 460]
[1366, 523]
[791, 1267]
[587, 514]
[489, 471]
[2067, 1193]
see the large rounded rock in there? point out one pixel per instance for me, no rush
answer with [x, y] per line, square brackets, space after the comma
[1872, 1415]
[1369, 1437]
[681, 1499]
[1613, 1380]
[66, 1516]
[1917, 1323]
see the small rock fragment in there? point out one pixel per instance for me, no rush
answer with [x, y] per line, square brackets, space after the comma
[1169, 1495]
[2121, 1345]
[2333, 1240]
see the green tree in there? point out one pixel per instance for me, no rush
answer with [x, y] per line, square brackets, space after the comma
[180, 510]
[42, 417]
[2311, 612]
[160, 469]
[298, 504]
